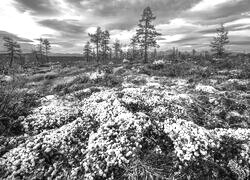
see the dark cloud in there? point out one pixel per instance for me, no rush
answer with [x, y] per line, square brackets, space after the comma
[184, 29]
[68, 28]
[24, 43]
[128, 12]
[14, 37]
[118, 15]
[125, 25]
[161, 39]
[245, 43]
[191, 38]
[37, 7]
[222, 13]
[229, 28]
[234, 27]
[65, 44]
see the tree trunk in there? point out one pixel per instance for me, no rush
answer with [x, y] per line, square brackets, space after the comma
[133, 53]
[146, 46]
[97, 52]
[11, 59]
[46, 55]
[146, 54]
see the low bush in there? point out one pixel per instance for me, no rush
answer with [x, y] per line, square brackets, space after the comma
[220, 111]
[108, 80]
[131, 133]
[224, 63]
[245, 73]
[50, 76]
[37, 78]
[157, 65]
[175, 70]
[145, 70]
[108, 69]
[14, 103]
[76, 84]
[139, 81]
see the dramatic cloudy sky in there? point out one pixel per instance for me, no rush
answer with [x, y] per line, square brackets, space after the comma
[185, 24]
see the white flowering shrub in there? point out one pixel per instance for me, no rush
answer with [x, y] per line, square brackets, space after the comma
[128, 133]
[53, 112]
[159, 62]
[96, 75]
[205, 88]
[157, 65]
[54, 153]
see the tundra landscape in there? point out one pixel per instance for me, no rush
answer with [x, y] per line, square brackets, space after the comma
[126, 110]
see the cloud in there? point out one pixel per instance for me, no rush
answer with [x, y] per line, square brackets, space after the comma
[183, 23]
[128, 12]
[14, 37]
[221, 12]
[68, 27]
[26, 44]
[37, 7]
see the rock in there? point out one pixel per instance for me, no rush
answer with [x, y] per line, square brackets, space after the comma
[6, 78]
[117, 69]
[206, 89]
[47, 150]
[125, 61]
[38, 146]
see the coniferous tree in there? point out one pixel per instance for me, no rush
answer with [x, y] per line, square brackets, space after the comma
[193, 52]
[87, 51]
[219, 42]
[146, 33]
[40, 48]
[154, 54]
[34, 53]
[13, 49]
[133, 44]
[96, 38]
[117, 49]
[47, 47]
[104, 44]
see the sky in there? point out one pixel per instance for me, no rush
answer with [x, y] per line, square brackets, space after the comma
[186, 24]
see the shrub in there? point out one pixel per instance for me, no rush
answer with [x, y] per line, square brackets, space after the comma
[50, 76]
[157, 65]
[108, 69]
[202, 72]
[131, 133]
[145, 70]
[177, 70]
[245, 73]
[75, 85]
[109, 81]
[14, 103]
[37, 78]
[139, 81]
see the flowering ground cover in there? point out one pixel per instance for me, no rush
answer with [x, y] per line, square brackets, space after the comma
[144, 127]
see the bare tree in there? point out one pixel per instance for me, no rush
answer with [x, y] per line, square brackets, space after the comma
[219, 42]
[13, 49]
[146, 33]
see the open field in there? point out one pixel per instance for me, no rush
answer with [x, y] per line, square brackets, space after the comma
[126, 121]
